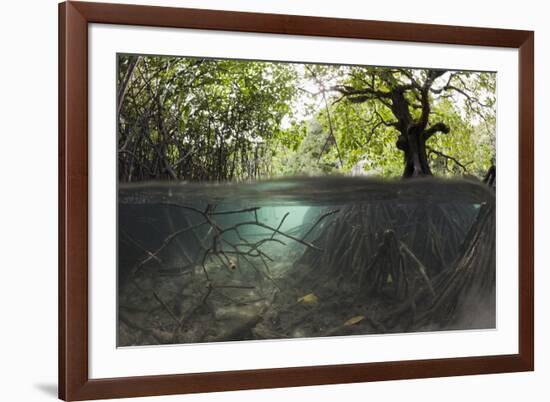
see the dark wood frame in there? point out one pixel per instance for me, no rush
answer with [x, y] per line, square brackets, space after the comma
[74, 17]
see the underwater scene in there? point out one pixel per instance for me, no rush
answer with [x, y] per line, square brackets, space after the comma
[303, 258]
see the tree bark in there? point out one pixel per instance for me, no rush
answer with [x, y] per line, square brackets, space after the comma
[413, 145]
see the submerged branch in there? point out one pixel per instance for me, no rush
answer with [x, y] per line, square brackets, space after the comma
[334, 211]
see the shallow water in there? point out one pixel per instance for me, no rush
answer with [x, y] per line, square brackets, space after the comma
[177, 238]
[331, 190]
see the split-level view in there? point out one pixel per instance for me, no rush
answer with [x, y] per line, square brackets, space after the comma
[269, 200]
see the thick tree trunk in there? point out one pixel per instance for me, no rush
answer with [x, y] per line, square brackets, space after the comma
[413, 145]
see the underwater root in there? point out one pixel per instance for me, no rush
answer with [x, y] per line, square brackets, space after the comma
[221, 246]
[362, 270]
[467, 292]
[418, 281]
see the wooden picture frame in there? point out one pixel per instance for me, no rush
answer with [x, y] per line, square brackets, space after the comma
[74, 381]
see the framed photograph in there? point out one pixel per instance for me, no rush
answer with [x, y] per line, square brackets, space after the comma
[262, 200]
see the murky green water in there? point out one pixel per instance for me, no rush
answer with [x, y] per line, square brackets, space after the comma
[188, 253]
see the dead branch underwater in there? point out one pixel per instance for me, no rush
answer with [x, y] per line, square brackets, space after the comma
[301, 258]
